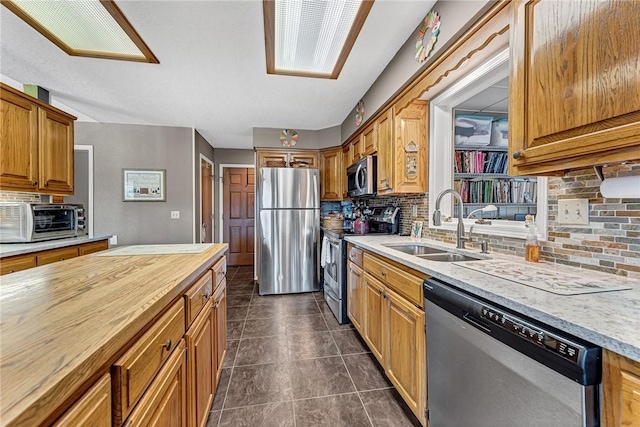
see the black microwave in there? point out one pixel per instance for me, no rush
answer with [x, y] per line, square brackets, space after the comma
[361, 177]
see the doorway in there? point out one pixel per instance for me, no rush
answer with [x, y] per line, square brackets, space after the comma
[206, 200]
[238, 214]
[83, 182]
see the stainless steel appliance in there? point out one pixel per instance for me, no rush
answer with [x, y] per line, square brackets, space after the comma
[384, 220]
[288, 230]
[361, 177]
[34, 222]
[491, 367]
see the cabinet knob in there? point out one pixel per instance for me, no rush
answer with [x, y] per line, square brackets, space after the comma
[517, 155]
[384, 274]
[35, 183]
[205, 296]
[46, 184]
[167, 345]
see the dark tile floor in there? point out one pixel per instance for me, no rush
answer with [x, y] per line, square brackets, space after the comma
[289, 363]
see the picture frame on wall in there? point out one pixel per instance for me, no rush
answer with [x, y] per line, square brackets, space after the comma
[144, 185]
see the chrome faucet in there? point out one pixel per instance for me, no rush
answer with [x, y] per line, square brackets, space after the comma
[437, 220]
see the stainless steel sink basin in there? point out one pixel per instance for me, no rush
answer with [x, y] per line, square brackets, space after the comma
[448, 257]
[416, 249]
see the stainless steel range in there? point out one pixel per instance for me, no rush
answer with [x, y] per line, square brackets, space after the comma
[384, 220]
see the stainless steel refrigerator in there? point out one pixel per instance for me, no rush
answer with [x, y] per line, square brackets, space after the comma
[288, 230]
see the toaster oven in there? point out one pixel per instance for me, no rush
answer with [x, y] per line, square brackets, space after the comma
[34, 222]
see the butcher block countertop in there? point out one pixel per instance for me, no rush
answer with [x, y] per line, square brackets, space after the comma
[62, 325]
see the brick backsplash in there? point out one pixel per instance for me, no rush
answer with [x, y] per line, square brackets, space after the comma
[14, 196]
[610, 243]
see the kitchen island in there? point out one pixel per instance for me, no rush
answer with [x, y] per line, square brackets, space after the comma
[64, 325]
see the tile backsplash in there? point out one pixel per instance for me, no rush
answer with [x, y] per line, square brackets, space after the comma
[609, 243]
[14, 196]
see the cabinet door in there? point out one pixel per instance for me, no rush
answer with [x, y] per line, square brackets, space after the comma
[55, 152]
[385, 153]
[369, 140]
[406, 353]
[355, 294]
[620, 391]
[220, 331]
[347, 160]
[200, 367]
[89, 248]
[331, 170]
[574, 94]
[164, 404]
[56, 255]
[17, 263]
[92, 409]
[375, 306]
[357, 148]
[306, 159]
[272, 159]
[19, 143]
[410, 171]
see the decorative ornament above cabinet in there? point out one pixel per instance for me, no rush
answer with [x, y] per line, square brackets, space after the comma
[288, 137]
[431, 22]
[359, 112]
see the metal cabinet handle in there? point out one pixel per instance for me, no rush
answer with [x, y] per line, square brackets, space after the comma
[517, 155]
[167, 345]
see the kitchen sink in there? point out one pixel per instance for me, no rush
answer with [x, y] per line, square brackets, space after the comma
[448, 257]
[416, 249]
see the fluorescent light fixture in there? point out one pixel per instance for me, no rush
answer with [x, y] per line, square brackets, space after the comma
[311, 38]
[92, 28]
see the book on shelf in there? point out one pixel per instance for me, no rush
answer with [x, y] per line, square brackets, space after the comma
[497, 190]
[493, 162]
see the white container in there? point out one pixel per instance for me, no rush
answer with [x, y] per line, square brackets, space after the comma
[500, 133]
[473, 130]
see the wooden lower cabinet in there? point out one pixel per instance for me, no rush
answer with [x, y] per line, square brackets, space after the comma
[620, 391]
[355, 294]
[17, 263]
[92, 409]
[200, 366]
[165, 402]
[219, 315]
[89, 248]
[56, 255]
[375, 306]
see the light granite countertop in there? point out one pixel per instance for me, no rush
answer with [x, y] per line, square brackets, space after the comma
[12, 249]
[609, 319]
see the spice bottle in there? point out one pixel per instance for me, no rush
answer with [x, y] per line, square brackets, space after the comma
[532, 246]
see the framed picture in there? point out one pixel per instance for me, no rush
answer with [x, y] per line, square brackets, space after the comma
[144, 185]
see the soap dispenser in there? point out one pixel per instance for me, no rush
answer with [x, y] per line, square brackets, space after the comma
[532, 246]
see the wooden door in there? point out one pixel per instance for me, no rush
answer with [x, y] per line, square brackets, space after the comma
[370, 140]
[220, 322]
[55, 152]
[574, 94]
[238, 214]
[620, 391]
[200, 367]
[410, 169]
[332, 172]
[374, 304]
[164, 404]
[206, 210]
[385, 153]
[355, 294]
[404, 336]
[19, 143]
[92, 409]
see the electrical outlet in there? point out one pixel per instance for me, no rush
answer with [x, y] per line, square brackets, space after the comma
[414, 210]
[573, 211]
[175, 214]
[113, 240]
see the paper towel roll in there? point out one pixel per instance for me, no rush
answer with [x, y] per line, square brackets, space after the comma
[626, 187]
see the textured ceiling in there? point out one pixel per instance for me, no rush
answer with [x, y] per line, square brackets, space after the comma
[212, 72]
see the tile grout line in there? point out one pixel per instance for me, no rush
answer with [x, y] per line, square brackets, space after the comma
[347, 369]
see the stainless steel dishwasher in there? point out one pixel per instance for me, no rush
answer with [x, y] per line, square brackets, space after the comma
[490, 367]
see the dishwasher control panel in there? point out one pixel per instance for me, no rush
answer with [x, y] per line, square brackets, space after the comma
[561, 346]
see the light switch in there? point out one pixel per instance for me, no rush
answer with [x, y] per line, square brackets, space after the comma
[573, 211]
[175, 214]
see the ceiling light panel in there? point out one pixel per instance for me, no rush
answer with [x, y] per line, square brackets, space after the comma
[84, 28]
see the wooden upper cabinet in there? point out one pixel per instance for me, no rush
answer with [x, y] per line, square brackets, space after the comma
[286, 158]
[19, 137]
[370, 139]
[331, 174]
[307, 158]
[410, 149]
[574, 94]
[272, 159]
[36, 149]
[347, 160]
[385, 152]
[620, 391]
[92, 409]
[357, 150]
[55, 149]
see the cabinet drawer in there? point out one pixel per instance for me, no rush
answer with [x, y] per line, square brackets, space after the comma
[355, 255]
[219, 270]
[17, 263]
[89, 248]
[197, 296]
[135, 370]
[55, 255]
[92, 409]
[406, 284]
